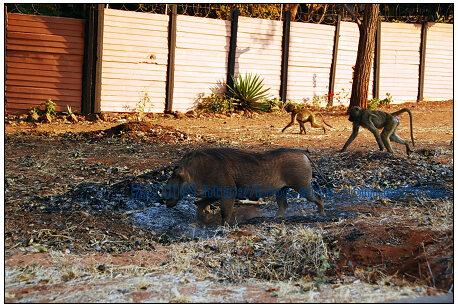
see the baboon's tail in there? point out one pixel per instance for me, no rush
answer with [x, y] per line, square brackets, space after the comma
[411, 123]
[322, 118]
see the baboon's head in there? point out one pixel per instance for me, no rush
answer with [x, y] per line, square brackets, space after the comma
[354, 114]
[290, 107]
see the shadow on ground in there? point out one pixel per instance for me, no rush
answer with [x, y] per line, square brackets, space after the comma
[138, 197]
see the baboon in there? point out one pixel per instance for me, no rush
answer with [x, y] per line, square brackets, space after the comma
[374, 120]
[303, 116]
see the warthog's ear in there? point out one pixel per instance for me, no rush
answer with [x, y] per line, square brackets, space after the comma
[182, 173]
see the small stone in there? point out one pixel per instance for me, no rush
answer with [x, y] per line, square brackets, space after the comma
[92, 117]
[101, 267]
[104, 116]
[191, 113]
[179, 115]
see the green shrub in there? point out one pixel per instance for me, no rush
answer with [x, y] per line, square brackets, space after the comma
[248, 92]
[35, 110]
[50, 107]
[294, 103]
[375, 103]
[271, 105]
[215, 103]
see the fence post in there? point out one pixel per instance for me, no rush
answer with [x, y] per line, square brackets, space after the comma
[421, 76]
[100, 12]
[285, 55]
[171, 59]
[332, 75]
[377, 52]
[5, 67]
[232, 50]
[89, 61]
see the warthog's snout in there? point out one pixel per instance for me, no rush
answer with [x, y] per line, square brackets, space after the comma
[170, 203]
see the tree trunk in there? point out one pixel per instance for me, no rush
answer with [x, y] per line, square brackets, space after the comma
[293, 10]
[363, 65]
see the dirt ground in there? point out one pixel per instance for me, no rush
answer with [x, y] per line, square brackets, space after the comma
[76, 230]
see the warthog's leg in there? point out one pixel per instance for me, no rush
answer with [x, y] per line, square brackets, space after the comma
[227, 207]
[202, 209]
[282, 202]
[308, 193]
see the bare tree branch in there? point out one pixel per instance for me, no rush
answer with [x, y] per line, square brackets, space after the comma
[352, 13]
[325, 8]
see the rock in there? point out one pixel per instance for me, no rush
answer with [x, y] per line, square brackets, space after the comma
[179, 115]
[92, 117]
[191, 113]
[33, 117]
[72, 118]
[104, 116]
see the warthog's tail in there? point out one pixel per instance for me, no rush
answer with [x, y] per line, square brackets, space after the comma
[314, 166]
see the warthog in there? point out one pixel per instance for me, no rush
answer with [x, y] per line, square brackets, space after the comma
[226, 174]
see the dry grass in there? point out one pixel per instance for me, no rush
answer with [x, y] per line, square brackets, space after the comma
[66, 267]
[271, 252]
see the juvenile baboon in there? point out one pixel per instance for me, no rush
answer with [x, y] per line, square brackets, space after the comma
[374, 120]
[303, 116]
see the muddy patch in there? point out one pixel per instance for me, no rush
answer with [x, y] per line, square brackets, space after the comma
[417, 254]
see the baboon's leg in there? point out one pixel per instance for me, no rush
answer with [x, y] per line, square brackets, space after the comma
[302, 127]
[290, 123]
[227, 208]
[282, 202]
[307, 192]
[395, 138]
[287, 126]
[353, 135]
[316, 125]
[376, 134]
[389, 129]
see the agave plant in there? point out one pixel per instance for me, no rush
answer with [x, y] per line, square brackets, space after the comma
[248, 91]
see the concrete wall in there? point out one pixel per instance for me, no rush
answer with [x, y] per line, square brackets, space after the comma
[439, 62]
[133, 61]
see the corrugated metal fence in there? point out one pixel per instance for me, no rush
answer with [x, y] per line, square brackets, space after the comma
[44, 58]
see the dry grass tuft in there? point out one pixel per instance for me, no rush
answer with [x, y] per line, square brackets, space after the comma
[272, 252]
